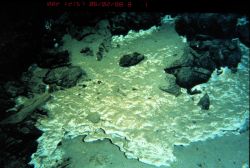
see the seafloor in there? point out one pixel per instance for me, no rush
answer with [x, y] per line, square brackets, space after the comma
[125, 108]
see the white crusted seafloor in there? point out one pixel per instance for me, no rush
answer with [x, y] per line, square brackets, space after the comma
[135, 115]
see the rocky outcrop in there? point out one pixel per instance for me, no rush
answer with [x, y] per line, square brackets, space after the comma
[70, 77]
[188, 77]
[131, 59]
[216, 53]
[64, 76]
[125, 21]
[222, 26]
[212, 24]
[199, 60]
[169, 85]
[87, 51]
[204, 102]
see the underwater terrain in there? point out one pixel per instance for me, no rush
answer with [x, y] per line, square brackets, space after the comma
[112, 94]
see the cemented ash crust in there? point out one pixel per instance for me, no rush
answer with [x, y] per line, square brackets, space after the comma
[144, 122]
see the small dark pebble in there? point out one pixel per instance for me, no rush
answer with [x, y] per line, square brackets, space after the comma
[59, 144]
[199, 165]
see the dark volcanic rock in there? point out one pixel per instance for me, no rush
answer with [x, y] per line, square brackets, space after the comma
[217, 53]
[201, 59]
[187, 77]
[231, 53]
[206, 26]
[53, 59]
[71, 76]
[125, 21]
[170, 86]
[64, 76]
[55, 75]
[103, 47]
[211, 24]
[100, 53]
[191, 68]
[204, 102]
[131, 59]
[87, 51]
[205, 61]
[185, 60]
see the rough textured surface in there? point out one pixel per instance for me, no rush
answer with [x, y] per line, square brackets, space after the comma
[204, 102]
[213, 24]
[188, 77]
[201, 58]
[170, 86]
[134, 110]
[64, 76]
[131, 59]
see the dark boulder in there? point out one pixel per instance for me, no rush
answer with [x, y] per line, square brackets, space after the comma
[55, 75]
[184, 60]
[71, 77]
[103, 47]
[211, 24]
[204, 102]
[232, 53]
[216, 53]
[206, 26]
[131, 59]
[87, 51]
[125, 21]
[64, 76]
[204, 61]
[188, 77]
[191, 68]
[100, 52]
